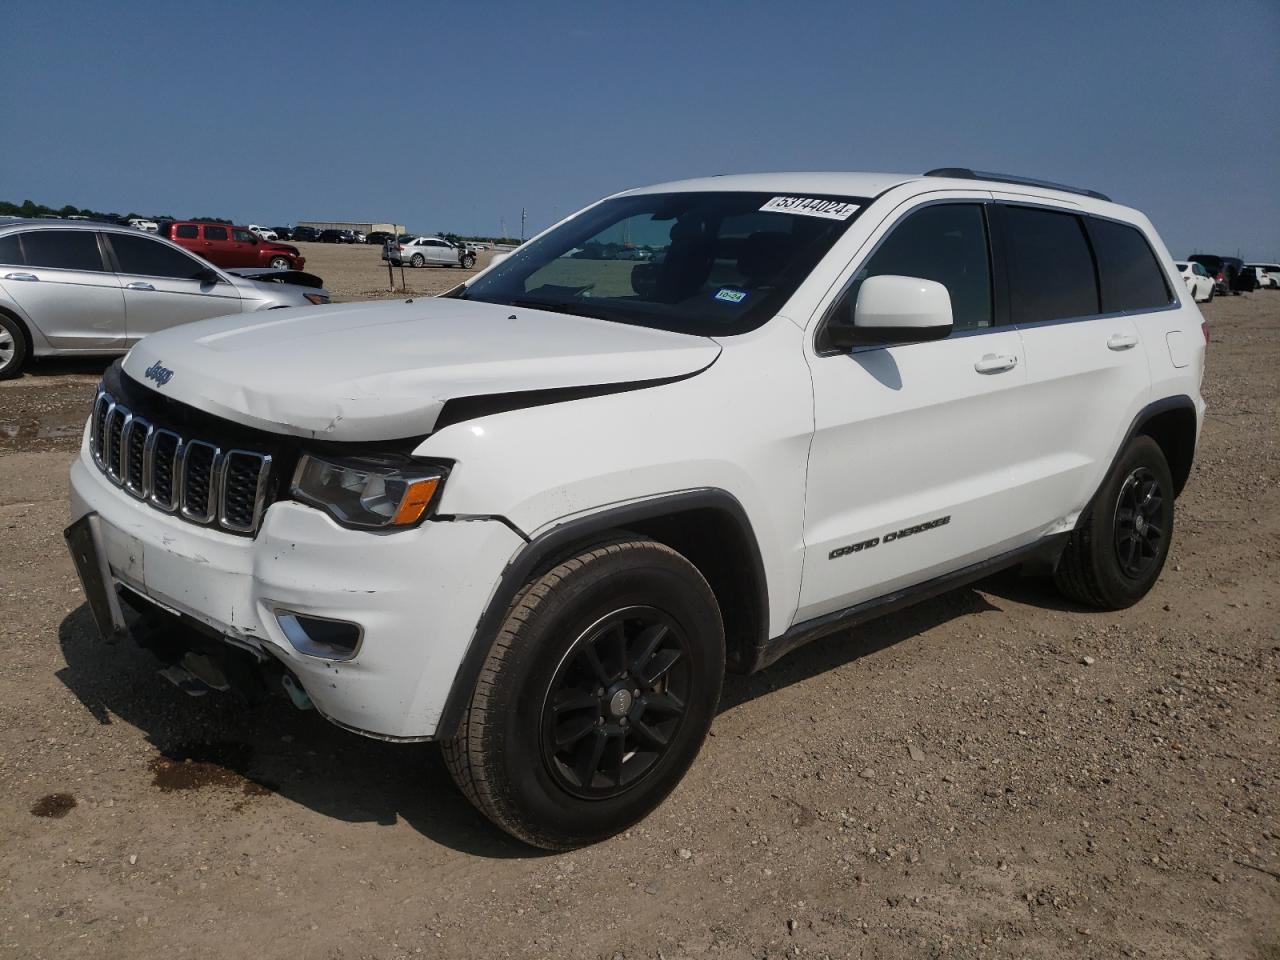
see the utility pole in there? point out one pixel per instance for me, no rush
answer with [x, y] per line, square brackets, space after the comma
[502, 228]
[522, 215]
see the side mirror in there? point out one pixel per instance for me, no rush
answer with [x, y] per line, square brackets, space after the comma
[893, 309]
[497, 258]
[209, 275]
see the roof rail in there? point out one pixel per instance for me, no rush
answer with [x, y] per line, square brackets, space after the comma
[964, 173]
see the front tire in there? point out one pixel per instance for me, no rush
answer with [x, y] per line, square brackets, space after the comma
[1116, 553]
[13, 348]
[595, 697]
[468, 261]
[279, 263]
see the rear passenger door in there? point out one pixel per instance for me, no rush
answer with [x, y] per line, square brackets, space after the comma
[1087, 374]
[65, 288]
[217, 248]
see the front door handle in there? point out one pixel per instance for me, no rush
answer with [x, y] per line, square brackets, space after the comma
[138, 285]
[996, 363]
[1122, 341]
[29, 277]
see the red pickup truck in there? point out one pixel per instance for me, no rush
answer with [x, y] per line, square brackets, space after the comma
[226, 246]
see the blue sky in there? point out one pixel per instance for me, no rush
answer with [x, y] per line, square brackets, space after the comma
[454, 115]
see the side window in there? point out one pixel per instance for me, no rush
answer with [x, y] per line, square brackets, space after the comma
[1130, 275]
[11, 250]
[946, 243]
[241, 236]
[215, 233]
[187, 231]
[1051, 274]
[150, 258]
[63, 249]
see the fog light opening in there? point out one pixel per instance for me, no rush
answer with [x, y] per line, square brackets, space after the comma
[320, 636]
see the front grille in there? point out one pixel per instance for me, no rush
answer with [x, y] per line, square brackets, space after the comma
[189, 476]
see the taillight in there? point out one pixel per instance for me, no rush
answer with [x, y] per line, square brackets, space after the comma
[1220, 278]
[1204, 328]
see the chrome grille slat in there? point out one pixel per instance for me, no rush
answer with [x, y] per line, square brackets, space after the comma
[190, 477]
[133, 444]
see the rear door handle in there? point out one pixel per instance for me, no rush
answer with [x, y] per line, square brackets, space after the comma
[1122, 341]
[138, 285]
[996, 363]
[29, 277]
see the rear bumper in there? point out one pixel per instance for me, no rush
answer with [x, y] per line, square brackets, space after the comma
[417, 595]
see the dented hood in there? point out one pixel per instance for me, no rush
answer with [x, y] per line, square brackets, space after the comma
[384, 370]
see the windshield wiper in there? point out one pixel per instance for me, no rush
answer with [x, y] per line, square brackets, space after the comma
[570, 308]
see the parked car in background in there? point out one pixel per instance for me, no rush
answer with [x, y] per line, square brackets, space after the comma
[305, 233]
[1268, 274]
[147, 226]
[1246, 280]
[266, 233]
[1222, 269]
[93, 288]
[358, 236]
[379, 236]
[336, 236]
[229, 246]
[1198, 281]
[428, 251]
[283, 233]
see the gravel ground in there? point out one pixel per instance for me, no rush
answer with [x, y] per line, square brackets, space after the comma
[994, 773]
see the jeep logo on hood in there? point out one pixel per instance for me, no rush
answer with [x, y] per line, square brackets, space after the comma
[160, 374]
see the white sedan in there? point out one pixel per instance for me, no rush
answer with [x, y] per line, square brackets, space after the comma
[424, 251]
[1198, 281]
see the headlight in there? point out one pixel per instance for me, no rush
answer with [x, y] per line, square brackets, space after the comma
[369, 492]
[315, 298]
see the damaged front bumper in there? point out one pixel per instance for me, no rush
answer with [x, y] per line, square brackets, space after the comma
[412, 597]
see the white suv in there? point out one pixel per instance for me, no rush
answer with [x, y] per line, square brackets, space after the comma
[536, 519]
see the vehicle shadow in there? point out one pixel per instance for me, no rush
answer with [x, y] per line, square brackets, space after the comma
[272, 747]
[43, 367]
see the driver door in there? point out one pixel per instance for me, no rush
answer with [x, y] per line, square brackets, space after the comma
[914, 445]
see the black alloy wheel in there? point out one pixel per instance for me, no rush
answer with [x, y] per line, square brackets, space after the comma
[616, 702]
[1139, 535]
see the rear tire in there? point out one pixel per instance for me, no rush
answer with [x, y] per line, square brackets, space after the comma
[595, 697]
[418, 260]
[1116, 553]
[13, 348]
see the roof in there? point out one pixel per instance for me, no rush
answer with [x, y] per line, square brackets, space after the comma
[873, 184]
[837, 184]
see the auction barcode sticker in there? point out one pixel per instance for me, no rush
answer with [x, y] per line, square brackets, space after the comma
[811, 207]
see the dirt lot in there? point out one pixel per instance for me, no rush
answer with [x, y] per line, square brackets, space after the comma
[992, 774]
[359, 273]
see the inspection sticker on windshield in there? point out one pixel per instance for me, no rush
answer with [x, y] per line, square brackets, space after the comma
[729, 295]
[811, 207]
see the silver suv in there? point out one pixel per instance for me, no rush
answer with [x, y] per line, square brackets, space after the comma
[97, 288]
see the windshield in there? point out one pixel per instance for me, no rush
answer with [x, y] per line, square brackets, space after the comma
[702, 263]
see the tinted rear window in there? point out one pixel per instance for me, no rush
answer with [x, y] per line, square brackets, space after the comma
[1051, 275]
[188, 231]
[215, 233]
[10, 249]
[62, 249]
[1129, 274]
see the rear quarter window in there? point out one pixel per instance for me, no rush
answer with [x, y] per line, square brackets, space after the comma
[1128, 271]
[11, 250]
[187, 231]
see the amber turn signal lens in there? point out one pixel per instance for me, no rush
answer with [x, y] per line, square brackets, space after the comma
[416, 499]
